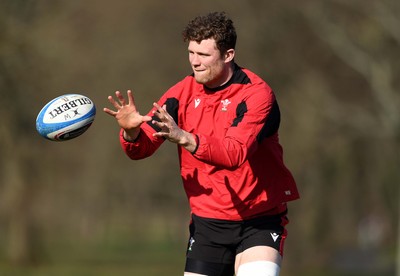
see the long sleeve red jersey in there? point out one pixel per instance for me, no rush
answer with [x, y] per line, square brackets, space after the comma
[237, 171]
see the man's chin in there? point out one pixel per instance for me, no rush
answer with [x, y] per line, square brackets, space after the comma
[200, 80]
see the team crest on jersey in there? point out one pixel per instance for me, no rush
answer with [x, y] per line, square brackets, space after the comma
[225, 104]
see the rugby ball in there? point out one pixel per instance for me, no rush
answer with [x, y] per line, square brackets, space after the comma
[65, 117]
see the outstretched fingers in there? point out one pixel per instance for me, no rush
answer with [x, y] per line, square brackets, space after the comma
[119, 103]
[161, 113]
[131, 99]
[163, 126]
[114, 102]
[120, 98]
[109, 111]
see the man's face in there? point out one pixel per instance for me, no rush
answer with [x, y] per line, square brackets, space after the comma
[209, 67]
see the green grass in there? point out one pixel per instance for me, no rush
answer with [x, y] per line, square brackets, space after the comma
[121, 257]
[101, 260]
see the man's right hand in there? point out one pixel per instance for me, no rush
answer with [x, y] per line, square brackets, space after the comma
[126, 114]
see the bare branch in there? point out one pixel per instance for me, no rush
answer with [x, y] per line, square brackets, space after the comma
[378, 73]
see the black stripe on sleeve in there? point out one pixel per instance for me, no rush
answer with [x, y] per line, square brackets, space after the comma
[272, 123]
[172, 105]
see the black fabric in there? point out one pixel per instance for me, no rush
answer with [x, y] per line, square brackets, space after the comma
[238, 77]
[172, 105]
[219, 241]
[272, 123]
[208, 268]
[241, 109]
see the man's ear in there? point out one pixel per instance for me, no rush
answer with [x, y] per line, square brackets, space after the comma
[229, 55]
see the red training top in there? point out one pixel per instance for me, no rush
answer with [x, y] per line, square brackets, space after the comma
[237, 171]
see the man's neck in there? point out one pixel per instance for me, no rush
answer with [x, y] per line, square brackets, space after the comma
[228, 73]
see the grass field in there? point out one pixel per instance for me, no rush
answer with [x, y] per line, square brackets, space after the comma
[130, 258]
[123, 259]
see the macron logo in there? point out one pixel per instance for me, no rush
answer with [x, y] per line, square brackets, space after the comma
[274, 236]
[196, 103]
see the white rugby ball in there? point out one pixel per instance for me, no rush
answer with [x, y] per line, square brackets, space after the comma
[65, 117]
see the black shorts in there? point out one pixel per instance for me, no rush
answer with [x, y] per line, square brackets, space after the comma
[214, 241]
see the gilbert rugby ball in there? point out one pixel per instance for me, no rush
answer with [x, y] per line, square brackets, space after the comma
[65, 117]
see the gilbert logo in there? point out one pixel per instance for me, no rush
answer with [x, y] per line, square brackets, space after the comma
[196, 103]
[225, 104]
[69, 106]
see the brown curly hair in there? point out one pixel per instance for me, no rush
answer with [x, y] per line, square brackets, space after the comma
[214, 25]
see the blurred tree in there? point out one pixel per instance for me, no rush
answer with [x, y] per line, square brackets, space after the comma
[362, 36]
[16, 168]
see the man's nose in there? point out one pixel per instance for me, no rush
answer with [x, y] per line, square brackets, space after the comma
[195, 60]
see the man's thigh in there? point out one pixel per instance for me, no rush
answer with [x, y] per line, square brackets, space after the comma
[258, 254]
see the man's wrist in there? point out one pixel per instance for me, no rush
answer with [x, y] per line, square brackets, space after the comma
[189, 142]
[131, 136]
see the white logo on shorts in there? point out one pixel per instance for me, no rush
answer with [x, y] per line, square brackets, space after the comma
[191, 242]
[274, 236]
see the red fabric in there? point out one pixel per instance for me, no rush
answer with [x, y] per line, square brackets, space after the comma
[232, 175]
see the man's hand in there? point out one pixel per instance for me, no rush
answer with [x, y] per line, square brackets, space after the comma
[171, 131]
[127, 115]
